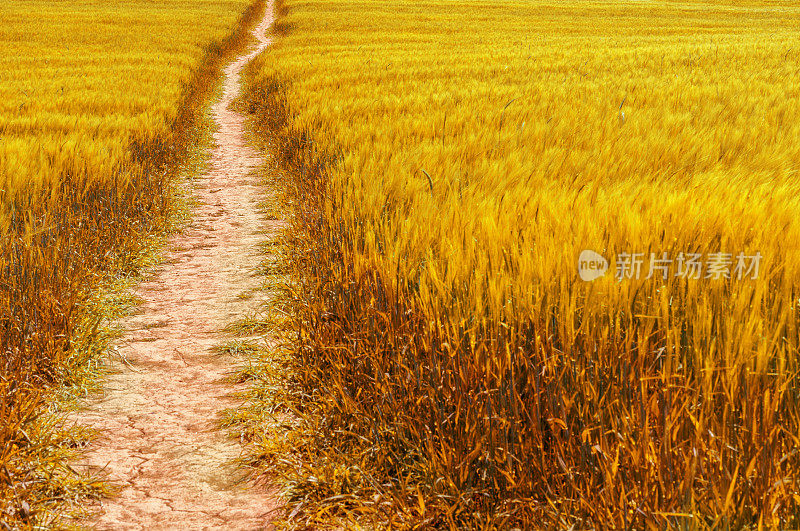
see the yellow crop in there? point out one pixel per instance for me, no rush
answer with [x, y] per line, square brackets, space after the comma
[452, 160]
[87, 76]
[97, 104]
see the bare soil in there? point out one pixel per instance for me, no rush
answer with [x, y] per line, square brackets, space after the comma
[157, 419]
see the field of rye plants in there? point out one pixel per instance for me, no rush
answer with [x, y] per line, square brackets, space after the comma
[98, 101]
[446, 163]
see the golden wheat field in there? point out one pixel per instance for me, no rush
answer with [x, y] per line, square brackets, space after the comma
[97, 103]
[447, 162]
[539, 264]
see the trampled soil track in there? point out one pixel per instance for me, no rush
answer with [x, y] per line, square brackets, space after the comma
[158, 439]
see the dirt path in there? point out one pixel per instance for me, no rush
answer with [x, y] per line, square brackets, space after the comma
[158, 439]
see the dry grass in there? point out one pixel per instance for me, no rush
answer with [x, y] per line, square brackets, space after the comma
[87, 164]
[446, 164]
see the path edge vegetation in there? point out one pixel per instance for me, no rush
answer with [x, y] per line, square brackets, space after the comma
[58, 296]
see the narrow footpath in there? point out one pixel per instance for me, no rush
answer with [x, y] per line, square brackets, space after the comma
[157, 419]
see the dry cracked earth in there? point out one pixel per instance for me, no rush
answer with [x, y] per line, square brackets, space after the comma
[157, 419]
